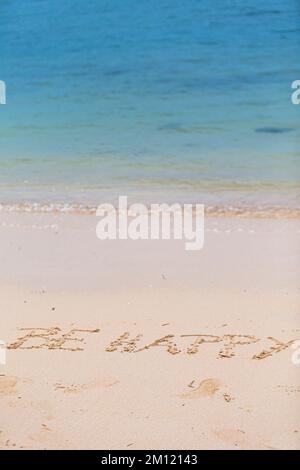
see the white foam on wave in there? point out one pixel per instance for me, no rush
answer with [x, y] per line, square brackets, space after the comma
[278, 212]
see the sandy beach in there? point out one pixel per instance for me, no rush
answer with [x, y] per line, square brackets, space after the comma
[156, 121]
[143, 345]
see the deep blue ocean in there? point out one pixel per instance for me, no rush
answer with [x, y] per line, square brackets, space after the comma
[182, 100]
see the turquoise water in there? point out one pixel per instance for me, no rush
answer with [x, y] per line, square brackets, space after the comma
[158, 99]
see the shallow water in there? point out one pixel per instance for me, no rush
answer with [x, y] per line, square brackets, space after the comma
[160, 100]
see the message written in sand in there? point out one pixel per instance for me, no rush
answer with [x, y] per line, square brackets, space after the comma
[51, 338]
[227, 345]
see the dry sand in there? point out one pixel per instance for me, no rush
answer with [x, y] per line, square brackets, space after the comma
[142, 345]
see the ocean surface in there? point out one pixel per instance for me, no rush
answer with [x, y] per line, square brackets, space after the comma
[161, 100]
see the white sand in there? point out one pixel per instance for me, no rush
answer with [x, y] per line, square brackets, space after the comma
[59, 392]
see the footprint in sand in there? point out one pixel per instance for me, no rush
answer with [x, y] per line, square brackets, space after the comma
[206, 388]
[234, 437]
[8, 385]
[43, 407]
[237, 438]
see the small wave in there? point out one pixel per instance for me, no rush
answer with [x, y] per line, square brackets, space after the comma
[261, 212]
[48, 208]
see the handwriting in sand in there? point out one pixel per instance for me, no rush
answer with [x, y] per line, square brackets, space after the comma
[227, 345]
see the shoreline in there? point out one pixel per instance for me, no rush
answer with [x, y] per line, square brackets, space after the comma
[231, 211]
